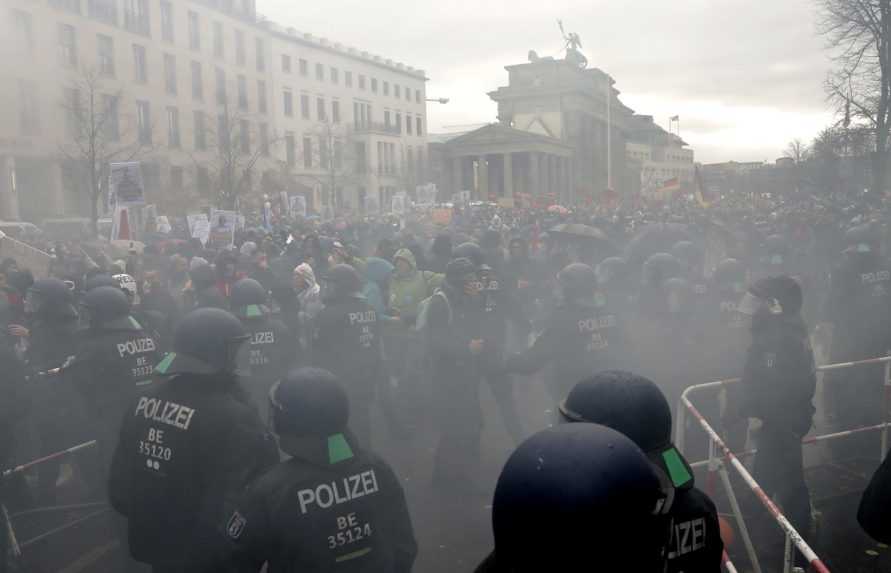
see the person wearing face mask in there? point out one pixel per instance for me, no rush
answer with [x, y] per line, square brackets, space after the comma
[778, 385]
[583, 336]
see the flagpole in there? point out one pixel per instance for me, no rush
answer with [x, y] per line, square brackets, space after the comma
[609, 136]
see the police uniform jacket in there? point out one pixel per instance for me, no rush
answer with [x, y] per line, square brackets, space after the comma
[186, 448]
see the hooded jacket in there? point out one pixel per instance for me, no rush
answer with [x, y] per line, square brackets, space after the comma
[407, 291]
[377, 272]
[310, 297]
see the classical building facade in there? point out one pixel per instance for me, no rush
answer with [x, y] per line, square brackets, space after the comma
[657, 156]
[177, 82]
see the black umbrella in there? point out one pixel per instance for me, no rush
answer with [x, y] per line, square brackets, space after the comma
[655, 238]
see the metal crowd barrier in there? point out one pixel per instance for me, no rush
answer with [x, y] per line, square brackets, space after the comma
[718, 464]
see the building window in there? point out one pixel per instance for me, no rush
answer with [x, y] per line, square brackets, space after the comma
[407, 94]
[136, 16]
[323, 152]
[386, 88]
[290, 150]
[24, 31]
[335, 76]
[408, 124]
[69, 5]
[261, 55]
[197, 82]
[361, 82]
[173, 127]
[304, 106]
[335, 111]
[244, 136]
[374, 85]
[418, 125]
[194, 32]
[338, 154]
[67, 46]
[242, 93]
[263, 131]
[200, 130]
[73, 112]
[396, 91]
[176, 178]
[202, 180]
[105, 55]
[29, 110]
[286, 63]
[170, 73]
[218, 48]
[140, 68]
[110, 120]
[320, 72]
[166, 21]
[304, 67]
[103, 11]
[348, 79]
[224, 138]
[144, 122]
[240, 57]
[261, 96]
[320, 109]
[417, 96]
[386, 119]
[221, 86]
[398, 122]
[307, 153]
[288, 102]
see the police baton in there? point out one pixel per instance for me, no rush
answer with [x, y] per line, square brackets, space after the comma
[44, 459]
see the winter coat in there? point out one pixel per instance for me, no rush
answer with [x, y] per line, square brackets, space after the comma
[377, 273]
[407, 291]
[310, 297]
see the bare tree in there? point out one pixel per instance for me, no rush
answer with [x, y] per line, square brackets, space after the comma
[96, 136]
[859, 35]
[235, 153]
[797, 151]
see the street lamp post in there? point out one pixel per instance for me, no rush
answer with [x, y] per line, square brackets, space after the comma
[441, 100]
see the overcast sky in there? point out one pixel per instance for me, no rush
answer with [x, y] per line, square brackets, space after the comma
[745, 76]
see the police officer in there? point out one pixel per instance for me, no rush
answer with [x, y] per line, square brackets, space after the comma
[331, 506]
[578, 497]
[114, 358]
[152, 320]
[272, 349]
[657, 269]
[347, 342]
[582, 336]
[635, 407]
[613, 282]
[187, 447]
[872, 515]
[778, 384]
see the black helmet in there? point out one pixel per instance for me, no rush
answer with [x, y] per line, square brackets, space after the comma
[51, 297]
[577, 281]
[309, 402]
[678, 292]
[99, 280]
[775, 245]
[590, 485]
[107, 306]
[469, 251]
[611, 271]
[635, 407]
[340, 281]
[203, 276]
[780, 295]
[861, 239]
[688, 253]
[660, 267]
[205, 342]
[729, 273]
[459, 272]
[248, 299]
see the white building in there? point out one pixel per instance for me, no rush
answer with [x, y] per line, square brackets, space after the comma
[176, 82]
[659, 155]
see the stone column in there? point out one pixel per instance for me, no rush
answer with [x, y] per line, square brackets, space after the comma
[567, 181]
[508, 176]
[533, 183]
[483, 171]
[9, 201]
[56, 189]
[457, 174]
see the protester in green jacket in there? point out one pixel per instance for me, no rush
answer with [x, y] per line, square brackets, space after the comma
[409, 286]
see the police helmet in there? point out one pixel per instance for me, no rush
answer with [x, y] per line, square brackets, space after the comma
[99, 280]
[611, 271]
[107, 306]
[577, 281]
[202, 276]
[51, 297]
[779, 295]
[660, 267]
[127, 284]
[591, 487]
[459, 272]
[340, 281]
[309, 402]
[206, 342]
[248, 299]
[637, 408]
[469, 251]
[729, 273]
[775, 245]
[688, 253]
[861, 239]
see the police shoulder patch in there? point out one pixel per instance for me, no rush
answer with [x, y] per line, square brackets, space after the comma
[236, 524]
